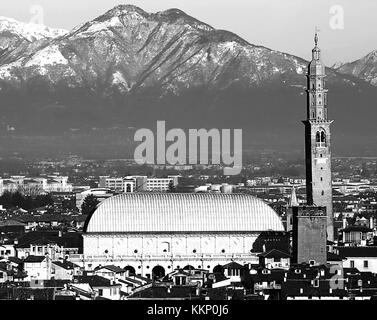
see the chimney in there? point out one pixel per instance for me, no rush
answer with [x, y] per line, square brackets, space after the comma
[16, 241]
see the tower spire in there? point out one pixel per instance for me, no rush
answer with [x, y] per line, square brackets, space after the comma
[293, 200]
[316, 36]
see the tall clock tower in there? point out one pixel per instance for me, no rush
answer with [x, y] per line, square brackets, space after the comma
[317, 140]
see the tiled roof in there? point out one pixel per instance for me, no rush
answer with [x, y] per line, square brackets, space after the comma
[356, 228]
[68, 240]
[11, 223]
[357, 251]
[274, 253]
[233, 265]
[34, 259]
[68, 265]
[112, 268]
[95, 281]
[334, 257]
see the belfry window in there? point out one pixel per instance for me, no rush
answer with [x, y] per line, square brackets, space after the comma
[323, 137]
[320, 138]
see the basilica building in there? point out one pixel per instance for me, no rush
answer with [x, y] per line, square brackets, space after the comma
[154, 233]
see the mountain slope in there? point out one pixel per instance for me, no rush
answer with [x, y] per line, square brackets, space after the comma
[364, 68]
[16, 37]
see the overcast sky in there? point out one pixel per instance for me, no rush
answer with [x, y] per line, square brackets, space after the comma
[284, 25]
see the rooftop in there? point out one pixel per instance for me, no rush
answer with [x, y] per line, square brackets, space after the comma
[179, 212]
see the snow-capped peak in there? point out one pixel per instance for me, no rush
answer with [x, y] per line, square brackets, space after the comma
[29, 31]
[337, 65]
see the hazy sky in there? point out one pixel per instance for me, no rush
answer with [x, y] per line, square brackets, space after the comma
[285, 25]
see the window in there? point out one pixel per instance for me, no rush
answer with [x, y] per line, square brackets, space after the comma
[323, 137]
[321, 179]
[323, 193]
[316, 283]
[317, 137]
[100, 292]
[352, 264]
[365, 263]
[165, 246]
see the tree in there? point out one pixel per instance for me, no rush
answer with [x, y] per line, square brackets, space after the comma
[89, 205]
[172, 187]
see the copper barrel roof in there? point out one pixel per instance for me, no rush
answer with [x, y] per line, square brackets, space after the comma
[183, 212]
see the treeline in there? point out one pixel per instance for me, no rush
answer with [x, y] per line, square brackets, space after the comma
[11, 200]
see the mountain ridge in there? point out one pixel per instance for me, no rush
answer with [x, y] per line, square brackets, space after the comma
[130, 68]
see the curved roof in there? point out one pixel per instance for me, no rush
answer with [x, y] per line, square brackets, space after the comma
[183, 212]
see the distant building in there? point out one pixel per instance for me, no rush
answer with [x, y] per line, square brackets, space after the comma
[131, 184]
[35, 185]
[114, 184]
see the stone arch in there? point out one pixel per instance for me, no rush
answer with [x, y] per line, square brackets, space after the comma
[130, 269]
[218, 269]
[158, 272]
[188, 267]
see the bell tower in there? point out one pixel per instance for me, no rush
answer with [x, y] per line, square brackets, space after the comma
[317, 140]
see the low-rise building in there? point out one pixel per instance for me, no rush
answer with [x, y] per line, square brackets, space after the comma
[64, 270]
[275, 259]
[362, 258]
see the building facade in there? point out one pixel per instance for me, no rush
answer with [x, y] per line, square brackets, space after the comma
[131, 184]
[35, 185]
[154, 233]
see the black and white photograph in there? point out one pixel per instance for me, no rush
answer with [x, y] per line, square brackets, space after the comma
[179, 155]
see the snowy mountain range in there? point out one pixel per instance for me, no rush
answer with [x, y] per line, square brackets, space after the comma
[364, 68]
[129, 67]
[128, 48]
